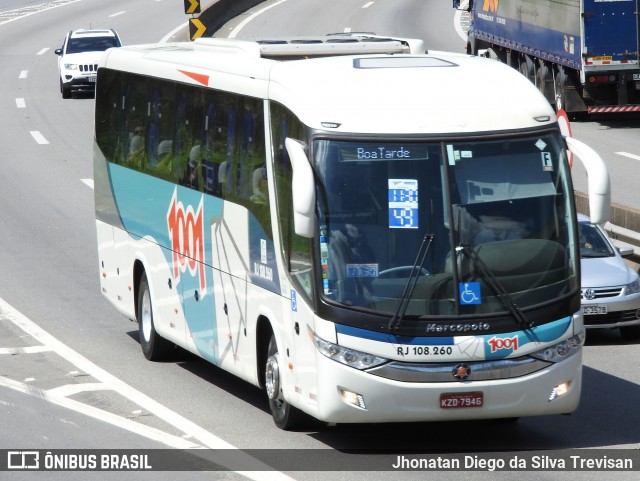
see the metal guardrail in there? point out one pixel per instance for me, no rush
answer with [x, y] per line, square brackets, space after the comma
[623, 237]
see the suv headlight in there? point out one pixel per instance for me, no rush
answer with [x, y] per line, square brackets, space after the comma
[560, 350]
[348, 357]
[71, 66]
[632, 288]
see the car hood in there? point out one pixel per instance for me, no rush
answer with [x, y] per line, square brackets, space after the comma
[605, 272]
[82, 57]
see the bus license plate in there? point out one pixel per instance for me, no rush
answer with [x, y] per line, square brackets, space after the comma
[92, 79]
[593, 310]
[462, 400]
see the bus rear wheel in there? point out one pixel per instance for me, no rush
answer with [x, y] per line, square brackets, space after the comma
[284, 414]
[154, 347]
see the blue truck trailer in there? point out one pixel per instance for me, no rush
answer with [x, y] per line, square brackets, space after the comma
[582, 54]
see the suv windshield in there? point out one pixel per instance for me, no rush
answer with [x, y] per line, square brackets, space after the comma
[91, 44]
[498, 212]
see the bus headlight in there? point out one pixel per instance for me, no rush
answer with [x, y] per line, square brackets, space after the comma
[348, 357]
[561, 350]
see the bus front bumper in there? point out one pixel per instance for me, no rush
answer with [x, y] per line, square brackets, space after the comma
[346, 395]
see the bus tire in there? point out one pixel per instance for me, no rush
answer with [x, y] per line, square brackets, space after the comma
[154, 347]
[285, 416]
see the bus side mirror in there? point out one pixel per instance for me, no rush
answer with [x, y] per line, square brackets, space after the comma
[303, 189]
[598, 180]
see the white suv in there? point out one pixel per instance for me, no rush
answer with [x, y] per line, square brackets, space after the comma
[78, 58]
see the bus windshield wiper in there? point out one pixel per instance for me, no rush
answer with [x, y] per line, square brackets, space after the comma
[501, 293]
[412, 280]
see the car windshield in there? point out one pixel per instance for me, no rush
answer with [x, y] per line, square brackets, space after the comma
[91, 44]
[496, 213]
[593, 242]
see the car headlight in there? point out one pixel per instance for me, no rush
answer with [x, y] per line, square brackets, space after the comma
[71, 66]
[348, 357]
[560, 350]
[632, 288]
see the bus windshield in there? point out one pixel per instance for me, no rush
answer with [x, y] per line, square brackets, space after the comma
[497, 213]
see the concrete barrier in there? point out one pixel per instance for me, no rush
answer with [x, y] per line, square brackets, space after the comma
[221, 11]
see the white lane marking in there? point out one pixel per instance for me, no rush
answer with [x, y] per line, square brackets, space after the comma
[18, 13]
[69, 390]
[23, 74]
[347, 30]
[124, 423]
[38, 137]
[244, 23]
[43, 51]
[627, 154]
[83, 364]
[20, 103]
[172, 33]
[368, 4]
[88, 182]
[117, 14]
[150, 405]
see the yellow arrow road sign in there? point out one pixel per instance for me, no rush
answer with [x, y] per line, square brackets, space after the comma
[191, 6]
[196, 28]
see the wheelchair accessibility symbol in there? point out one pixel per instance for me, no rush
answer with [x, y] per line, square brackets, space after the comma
[469, 293]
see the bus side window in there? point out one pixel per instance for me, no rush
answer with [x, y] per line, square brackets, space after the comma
[298, 253]
[161, 130]
[186, 147]
[109, 117]
[135, 126]
[208, 149]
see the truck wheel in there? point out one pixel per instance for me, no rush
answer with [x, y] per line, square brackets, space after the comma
[560, 92]
[527, 68]
[545, 82]
[284, 414]
[474, 45]
[154, 347]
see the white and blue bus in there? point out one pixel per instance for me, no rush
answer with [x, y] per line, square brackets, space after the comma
[369, 232]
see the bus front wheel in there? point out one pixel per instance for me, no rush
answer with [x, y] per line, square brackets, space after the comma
[284, 414]
[154, 347]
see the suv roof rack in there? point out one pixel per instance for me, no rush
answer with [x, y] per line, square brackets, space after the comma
[317, 46]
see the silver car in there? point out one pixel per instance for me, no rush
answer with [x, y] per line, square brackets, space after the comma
[610, 288]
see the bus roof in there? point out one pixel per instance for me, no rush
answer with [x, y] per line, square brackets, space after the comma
[379, 87]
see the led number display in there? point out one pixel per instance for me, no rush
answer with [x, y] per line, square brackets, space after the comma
[403, 203]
